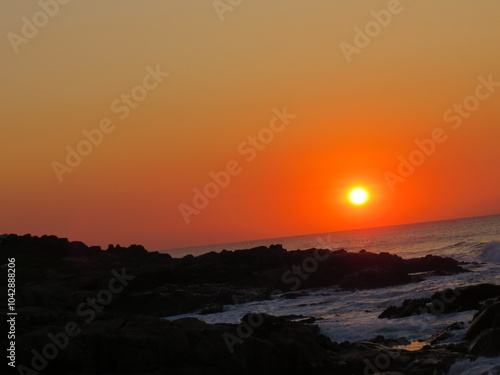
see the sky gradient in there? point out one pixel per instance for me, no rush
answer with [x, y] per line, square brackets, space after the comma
[228, 76]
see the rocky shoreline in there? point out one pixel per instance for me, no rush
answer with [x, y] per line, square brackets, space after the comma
[101, 310]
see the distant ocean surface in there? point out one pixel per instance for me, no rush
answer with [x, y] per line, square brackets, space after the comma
[459, 238]
[353, 316]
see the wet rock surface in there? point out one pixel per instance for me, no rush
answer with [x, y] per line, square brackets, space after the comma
[484, 331]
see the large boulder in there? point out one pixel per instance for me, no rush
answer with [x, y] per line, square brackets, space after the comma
[484, 331]
[487, 343]
[488, 317]
[445, 301]
[434, 263]
[467, 298]
[409, 307]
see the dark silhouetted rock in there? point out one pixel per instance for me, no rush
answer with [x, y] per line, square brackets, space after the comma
[446, 301]
[375, 278]
[433, 263]
[488, 317]
[212, 310]
[487, 343]
[408, 308]
[445, 333]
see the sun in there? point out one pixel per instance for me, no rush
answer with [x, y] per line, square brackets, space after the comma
[358, 196]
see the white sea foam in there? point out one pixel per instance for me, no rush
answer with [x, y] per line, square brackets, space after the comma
[353, 316]
[491, 252]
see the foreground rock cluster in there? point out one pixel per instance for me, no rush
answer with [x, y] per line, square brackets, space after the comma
[112, 300]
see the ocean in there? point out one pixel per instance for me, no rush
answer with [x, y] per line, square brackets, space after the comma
[458, 238]
[353, 316]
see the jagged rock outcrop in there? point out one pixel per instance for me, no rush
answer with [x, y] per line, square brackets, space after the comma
[445, 301]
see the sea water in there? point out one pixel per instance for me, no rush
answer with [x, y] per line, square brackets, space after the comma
[459, 238]
[353, 316]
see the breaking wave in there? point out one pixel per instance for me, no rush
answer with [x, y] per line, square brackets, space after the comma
[491, 252]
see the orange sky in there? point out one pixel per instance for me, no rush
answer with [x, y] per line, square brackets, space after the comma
[227, 73]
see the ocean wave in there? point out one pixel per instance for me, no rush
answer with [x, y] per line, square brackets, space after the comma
[461, 251]
[491, 252]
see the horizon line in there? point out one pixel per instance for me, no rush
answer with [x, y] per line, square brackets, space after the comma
[323, 233]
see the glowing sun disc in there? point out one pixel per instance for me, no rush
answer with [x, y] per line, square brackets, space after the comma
[358, 196]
